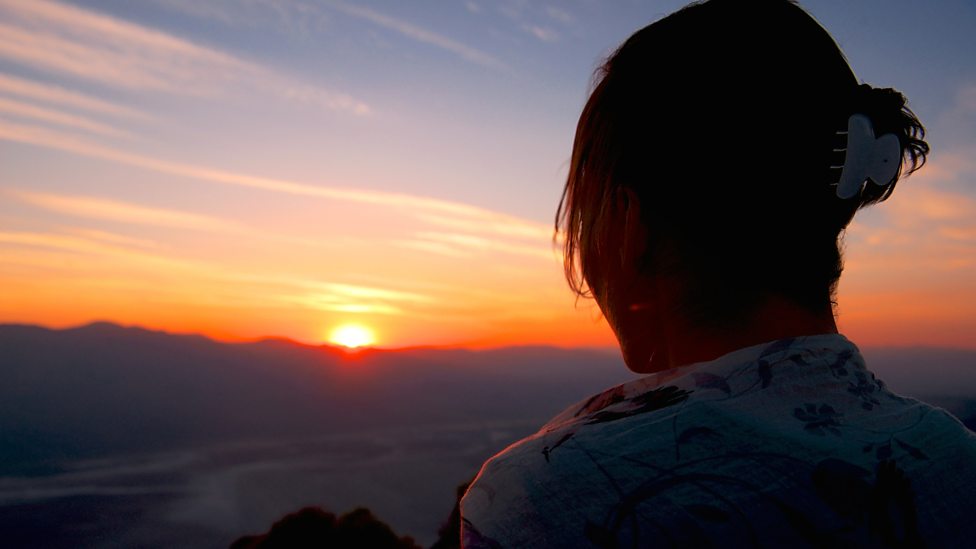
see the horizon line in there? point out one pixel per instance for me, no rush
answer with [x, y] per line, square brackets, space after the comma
[374, 348]
[286, 339]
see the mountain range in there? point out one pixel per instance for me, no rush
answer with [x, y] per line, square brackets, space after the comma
[201, 441]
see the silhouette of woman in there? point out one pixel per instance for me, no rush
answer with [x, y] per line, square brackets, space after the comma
[721, 155]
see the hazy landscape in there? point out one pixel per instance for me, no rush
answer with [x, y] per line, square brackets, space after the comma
[113, 436]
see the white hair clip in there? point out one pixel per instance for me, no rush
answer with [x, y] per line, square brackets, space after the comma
[866, 157]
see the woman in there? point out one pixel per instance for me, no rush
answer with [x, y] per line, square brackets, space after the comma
[720, 157]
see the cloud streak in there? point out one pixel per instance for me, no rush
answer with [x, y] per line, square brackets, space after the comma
[36, 91]
[446, 212]
[295, 15]
[26, 110]
[136, 214]
[113, 210]
[64, 39]
[420, 34]
[351, 298]
[113, 238]
[130, 259]
[79, 244]
[474, 242]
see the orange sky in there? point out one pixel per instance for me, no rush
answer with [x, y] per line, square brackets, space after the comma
[908, 280]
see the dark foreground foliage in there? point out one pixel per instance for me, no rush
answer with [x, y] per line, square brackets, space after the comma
[313, 527]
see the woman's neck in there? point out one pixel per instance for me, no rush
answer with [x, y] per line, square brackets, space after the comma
[776, 318]
[651, 342]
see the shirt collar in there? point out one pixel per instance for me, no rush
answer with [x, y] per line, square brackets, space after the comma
[769, 352]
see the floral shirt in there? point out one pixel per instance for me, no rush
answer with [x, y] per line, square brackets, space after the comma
[792, 443]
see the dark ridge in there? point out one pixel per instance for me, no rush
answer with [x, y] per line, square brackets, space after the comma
[104, 389]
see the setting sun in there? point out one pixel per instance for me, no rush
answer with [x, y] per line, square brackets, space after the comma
[352, 336]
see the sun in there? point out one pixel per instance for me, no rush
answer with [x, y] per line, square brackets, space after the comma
[352, 336]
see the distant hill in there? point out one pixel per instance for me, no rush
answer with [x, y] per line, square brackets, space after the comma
[143, 438]
[102, 388]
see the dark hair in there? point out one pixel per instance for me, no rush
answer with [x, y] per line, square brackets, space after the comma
[722, 118]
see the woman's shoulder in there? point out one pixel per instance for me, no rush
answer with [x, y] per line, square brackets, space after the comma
[766, 435]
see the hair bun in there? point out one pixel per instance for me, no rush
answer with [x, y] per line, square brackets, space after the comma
[889, 113]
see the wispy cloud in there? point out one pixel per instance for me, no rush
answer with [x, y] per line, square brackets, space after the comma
[948, 167]
[296, 16]
[963, 234]
[546, 23]
[61, 266]
[544, 34]
[103, 209]
[67, 39]
[27, 110]
[438, 248]
[938, 194]
[503, 227]
[368, 292]
[254, 287]
[84, 245]
[289, 16]
[64, 39]
[217, 10]
[445, 212]
[920, 225]
[420, 34]
[536, 20]
[560, 15]
[113, 210]
[350, 298]
[36, 91]
[928, 206]
[475, 242]
[112, 238]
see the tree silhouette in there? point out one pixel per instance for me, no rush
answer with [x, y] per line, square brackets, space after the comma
[314, 527]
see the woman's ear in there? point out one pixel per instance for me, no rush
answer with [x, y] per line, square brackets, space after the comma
[633, 245]
[636, 306]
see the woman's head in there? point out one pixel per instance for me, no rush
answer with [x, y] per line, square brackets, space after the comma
[719, 122]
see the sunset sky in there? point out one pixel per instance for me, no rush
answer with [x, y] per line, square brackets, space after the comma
[284, 167]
